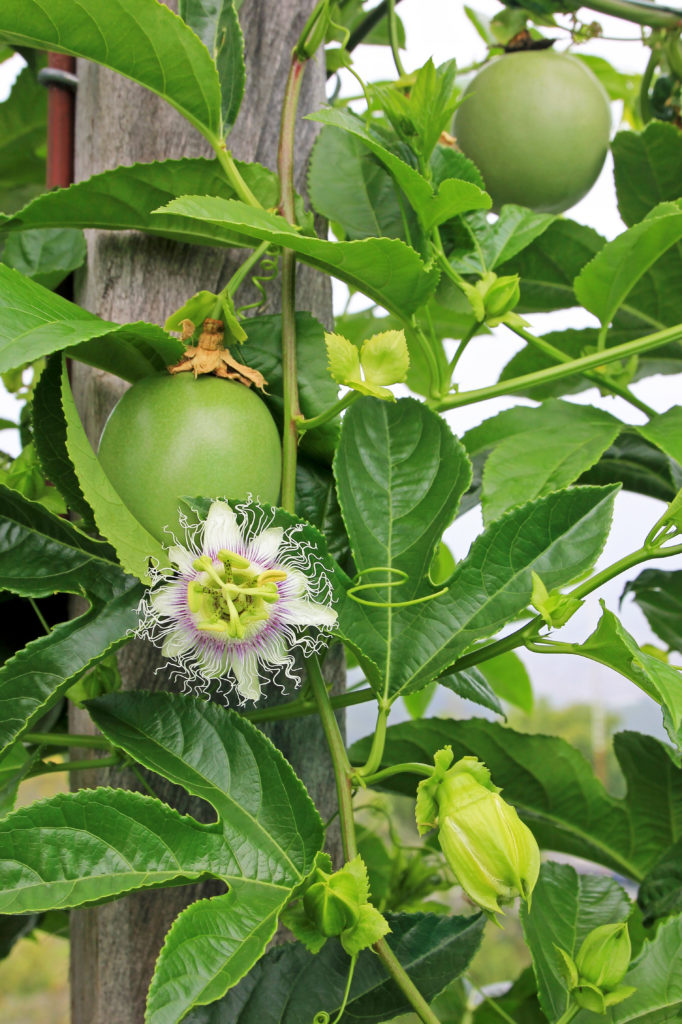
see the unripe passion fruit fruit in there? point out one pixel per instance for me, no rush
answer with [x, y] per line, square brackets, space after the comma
[536, 123]
[170, 437]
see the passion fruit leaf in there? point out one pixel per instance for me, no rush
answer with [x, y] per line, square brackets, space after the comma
[356, 192]
[34, 679]
[515, 228]
[612, 645]
[49, 434]
[554, 789]
[23, 124]
[659, 595]
[606, 281]
[122, 199]
[141, 39]
[647, 168]
[35, 322]
[660, 893]
[638, 465]
[264, 812]
[455, 196]
[509, 679]
[120, 842]
[14, 764]
[217, 25]
[386, 466]
[134, 545]
[566, 907]
[471, 684]
[317, 502]
[560, 442]
[665, 431]
[46, 255]
[432, 948]
[386, 269]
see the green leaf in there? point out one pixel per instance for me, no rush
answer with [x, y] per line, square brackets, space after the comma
[520, 1002]
[292, 985]
[140, 39]
[43, 554]
[49, 434]
[26, 476]
[455, 196]
[508, 677]
[217, 25]
[356, 192]
[123, 199]
[554, 789]
[46, 255]
[386, 269]
[23, 128]
[659, 594]
[548, 266]
[605, 282]
[660, 893]
[34, 679]
[134, 545]
[515, 228]
[14, 763]
[118, 842]
[270, 827]
[612, 645]
[647, 169]
[559, 443]
[559, 537]
[317, 502]
[471, 684]
[638, 465]
[665, 431]
[317, 391]
[566, 907]
[35, 322]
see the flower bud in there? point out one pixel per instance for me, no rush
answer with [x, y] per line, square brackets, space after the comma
[604, 957]
[333, 903]
[501, 296]
[493, 854]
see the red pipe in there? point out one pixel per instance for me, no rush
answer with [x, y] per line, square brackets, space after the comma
[61, 104]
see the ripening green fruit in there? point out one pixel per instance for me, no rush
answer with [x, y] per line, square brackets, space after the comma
[537, 125]
[174, 436]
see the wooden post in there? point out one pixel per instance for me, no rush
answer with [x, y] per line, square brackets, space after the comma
[131, 277]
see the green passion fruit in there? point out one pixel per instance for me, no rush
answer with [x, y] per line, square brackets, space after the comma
[536, 123]
[174, 436]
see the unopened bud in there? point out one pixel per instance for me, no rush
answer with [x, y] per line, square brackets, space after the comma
[604, 957]
[333, 903]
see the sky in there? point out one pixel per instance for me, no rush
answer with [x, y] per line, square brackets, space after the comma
[440, 29]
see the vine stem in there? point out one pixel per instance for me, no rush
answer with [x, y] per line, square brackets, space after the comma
[404, 982]
[285, 164]
[560, 357]
[244, 268]
[640, 13]
[552, 373]
[74, 766]
[303, 426]
[59, 739]
[297, 708]
[232, 174]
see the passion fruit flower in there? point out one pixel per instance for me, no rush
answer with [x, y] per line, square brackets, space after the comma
[248, 587]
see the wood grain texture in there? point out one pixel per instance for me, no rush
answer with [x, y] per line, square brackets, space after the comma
[129, 277]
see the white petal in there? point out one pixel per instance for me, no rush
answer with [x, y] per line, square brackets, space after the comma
[220, 529]
[177, 643]
[300, 612]
[165, 601]
[245, 668]
[263, 548]
[297, 583]
[182, 558]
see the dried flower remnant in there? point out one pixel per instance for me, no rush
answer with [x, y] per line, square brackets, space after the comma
[209, 355]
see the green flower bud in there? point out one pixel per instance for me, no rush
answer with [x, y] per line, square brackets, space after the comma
[604, 957]
[501, 296]
[333, 903]
[493, 854]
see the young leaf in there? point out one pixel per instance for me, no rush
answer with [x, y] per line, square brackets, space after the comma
[386, 269]
[123, 199]
[217, 25]
[34, 679]
[141, 39]
[134, 545]
[35, 322]
[603, 284]
[270, 827]
[566, 907]
[432, 949]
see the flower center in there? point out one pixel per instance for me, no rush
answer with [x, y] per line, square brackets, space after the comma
[228, 596]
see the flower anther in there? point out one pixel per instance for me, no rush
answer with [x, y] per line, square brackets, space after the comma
[243, 595]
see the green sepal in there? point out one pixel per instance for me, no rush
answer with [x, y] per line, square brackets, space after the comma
[589, 997]
[619, 994]
[297, 921]
[567, 967]
[426, 807]
[370, 927]
[556, 608]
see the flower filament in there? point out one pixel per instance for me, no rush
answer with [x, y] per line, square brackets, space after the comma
[228, 596]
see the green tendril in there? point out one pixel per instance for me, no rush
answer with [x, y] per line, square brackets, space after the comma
[356, 588]
[323, 1017]
[268, 270]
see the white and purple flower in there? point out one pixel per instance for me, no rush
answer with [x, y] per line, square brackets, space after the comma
[244, 595]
